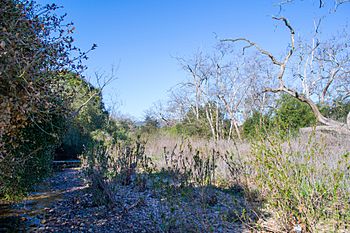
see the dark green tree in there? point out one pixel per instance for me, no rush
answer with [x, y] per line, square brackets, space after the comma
[150, 125]
[291, 115]
[257, 124]
[88, 115]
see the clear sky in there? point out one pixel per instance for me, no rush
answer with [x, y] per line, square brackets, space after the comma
[142, 37]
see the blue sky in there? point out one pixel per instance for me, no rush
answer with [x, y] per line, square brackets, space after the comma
[142, 37]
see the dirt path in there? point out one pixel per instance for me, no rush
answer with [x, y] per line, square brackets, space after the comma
[28, 215]
[64, 204]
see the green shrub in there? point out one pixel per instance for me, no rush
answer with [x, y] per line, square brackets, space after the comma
[303, 186]
[31, 161]
[189, 129]
[291, 115]
[257, 124]
[92, 116]
[36, 50]
[151, 125]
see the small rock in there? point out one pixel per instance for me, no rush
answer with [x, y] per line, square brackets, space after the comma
[33, 224]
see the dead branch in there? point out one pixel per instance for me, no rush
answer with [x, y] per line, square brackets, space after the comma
[253, 44]
[325, 129]
[282, 87]
[101, 85]
[332, 124]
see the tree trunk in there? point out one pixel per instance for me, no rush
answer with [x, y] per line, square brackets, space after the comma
[237, 130]
[230, 131]
[217, 122]
[232, 118]
[210, 120]
[331, 124]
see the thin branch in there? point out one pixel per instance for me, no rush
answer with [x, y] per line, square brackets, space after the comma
[253, 44]
[96, 93]
[321, 4]
[286, 23]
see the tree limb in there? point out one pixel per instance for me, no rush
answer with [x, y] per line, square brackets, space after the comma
[253, 44]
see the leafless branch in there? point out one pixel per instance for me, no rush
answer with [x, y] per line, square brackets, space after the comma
[102, 82]
[253, 44]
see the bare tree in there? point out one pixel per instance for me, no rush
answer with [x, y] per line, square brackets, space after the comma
[196, 68]
[198, 90]
[230, 89]
[327, 58]
[333, 63]
[218, 88]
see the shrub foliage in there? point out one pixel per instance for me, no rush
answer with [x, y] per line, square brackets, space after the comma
[36, 51]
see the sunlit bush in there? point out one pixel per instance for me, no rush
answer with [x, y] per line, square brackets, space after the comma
[305, 186]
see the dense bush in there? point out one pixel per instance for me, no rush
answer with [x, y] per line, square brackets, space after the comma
[291, 115]
[30, 161]
[193, 126]
[90, 115]
[286, 119]
[189, 129]
[35, 50]
[150, 125]
[303, 185]
[256, 124]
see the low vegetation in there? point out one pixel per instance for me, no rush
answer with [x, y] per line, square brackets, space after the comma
[278, 183]
[224, 155]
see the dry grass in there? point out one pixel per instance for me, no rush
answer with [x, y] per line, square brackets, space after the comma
[298, 182]
[157, 146]
[303, 181]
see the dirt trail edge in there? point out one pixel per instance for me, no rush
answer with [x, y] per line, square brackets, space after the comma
[64, 203]
[29, 214]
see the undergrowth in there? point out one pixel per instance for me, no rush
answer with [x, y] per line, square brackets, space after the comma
[303, 187]
[280, 185]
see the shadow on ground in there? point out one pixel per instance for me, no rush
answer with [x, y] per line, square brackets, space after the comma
[26, 215]
[155, 202]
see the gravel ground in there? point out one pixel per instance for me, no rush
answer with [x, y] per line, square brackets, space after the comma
[71, 208]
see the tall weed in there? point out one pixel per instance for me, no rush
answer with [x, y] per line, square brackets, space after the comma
[302, 185]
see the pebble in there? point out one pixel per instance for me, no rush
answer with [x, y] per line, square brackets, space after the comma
[66, 216]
